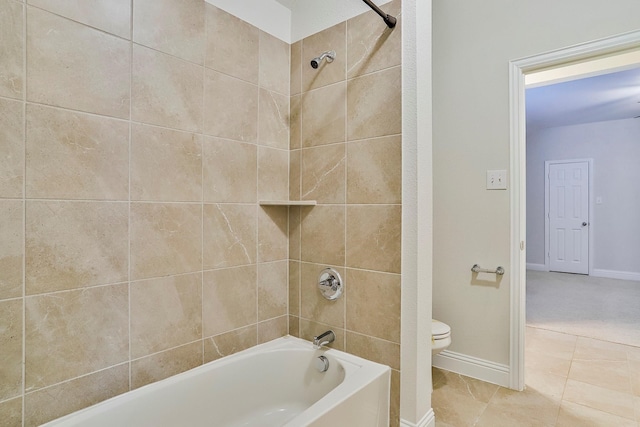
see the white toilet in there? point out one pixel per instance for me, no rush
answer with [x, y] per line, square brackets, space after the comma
[440, 336]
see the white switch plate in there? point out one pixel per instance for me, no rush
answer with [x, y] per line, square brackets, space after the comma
[497, 180]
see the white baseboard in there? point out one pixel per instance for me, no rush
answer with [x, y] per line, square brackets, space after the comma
[429, 420]
[536, 267]
[612, 274]
[473, 367]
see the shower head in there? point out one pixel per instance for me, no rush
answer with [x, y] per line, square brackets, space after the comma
[329, 56]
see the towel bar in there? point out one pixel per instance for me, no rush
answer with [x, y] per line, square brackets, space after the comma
[477, 269]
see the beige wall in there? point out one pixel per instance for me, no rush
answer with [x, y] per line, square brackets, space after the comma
[129, 179]
[472, 45]
[132, 162]
[346, 155]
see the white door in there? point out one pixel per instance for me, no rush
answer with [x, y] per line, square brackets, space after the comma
[568, 202]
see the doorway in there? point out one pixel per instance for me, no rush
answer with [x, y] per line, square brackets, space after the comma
[597, 54]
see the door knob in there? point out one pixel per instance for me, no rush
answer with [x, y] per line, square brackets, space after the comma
[584, 224]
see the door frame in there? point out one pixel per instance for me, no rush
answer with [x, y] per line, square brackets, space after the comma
[547, 236]
[517, 144]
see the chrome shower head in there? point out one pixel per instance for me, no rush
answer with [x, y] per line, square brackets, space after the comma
[329, 56]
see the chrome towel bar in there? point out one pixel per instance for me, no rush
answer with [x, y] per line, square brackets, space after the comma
[477, 269]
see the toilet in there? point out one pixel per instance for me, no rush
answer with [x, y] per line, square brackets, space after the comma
[440, 336]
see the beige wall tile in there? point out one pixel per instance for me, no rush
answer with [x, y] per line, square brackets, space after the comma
[272, 290]
[74, 66]
[373, 237]
[11, 412]
[273, 120]
[72, 155]
[323, 173]
[295, 122]
[10, 349]
[176, 27]
[229, 300]
[322, 235]
[364, 288]
[73, 333]
[295, 218]
[66, 245]
[313, 305]
[166, 91]
[65, 398]
[394, 410]
[166, 165]
[374, 105]
[165, 239]
[272, 233]
[232, 45]
[112, 16]
[273, 174]
[324, 115]
[295, 177]
[295, 86]
[11, 49]
[229, 235]
[377, 350]
[310, 329]
[272, 329]
[165, 313]
[371, 45]
[294, 288]
[230, 171]
[229, 343]
[12, 147]
[274, 64]
[294, 326]
[230, 107]
[11, 249]
[163, 365]
[374, 170]
[333, 38]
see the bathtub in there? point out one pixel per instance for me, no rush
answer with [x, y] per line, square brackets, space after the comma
[272, 384]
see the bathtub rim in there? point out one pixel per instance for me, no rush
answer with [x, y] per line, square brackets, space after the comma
[359, 373]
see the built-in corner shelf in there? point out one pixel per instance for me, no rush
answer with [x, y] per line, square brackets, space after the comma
[287, 202]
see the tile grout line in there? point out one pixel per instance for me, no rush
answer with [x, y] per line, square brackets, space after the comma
[131, 12]
[24, 215]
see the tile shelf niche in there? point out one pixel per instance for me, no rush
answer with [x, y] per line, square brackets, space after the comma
[288, 203]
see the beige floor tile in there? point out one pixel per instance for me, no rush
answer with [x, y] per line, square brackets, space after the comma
[465, 386]
[550, 343]
[574, 415]
[455, 409]
[501, 417]
[522, 408]
[545, 363]
[592, 349]
[636, 401]
[634, 376]
[633, 353]
[545, 383]
[613, 402]
[610, 374]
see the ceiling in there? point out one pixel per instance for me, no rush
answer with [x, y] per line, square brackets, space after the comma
[612, 96]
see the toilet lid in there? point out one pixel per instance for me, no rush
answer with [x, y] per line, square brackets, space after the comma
[439, 330]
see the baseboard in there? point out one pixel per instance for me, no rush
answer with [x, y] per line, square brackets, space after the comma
[429, 420]
[612, 274]
[473, 367]
[537, 267]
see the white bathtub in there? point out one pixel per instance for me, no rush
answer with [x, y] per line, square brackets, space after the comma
[273, 384]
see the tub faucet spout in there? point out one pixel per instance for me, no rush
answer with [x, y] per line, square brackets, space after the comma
[324, 339]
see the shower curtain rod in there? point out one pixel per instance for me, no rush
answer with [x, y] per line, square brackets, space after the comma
[388, 19]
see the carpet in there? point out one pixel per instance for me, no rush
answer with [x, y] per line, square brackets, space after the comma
[593, 307]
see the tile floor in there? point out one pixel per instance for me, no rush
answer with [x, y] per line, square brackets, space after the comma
[571, 382]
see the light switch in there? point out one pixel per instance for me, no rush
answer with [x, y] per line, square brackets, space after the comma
[497, 180]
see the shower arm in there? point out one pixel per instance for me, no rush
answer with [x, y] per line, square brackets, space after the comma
[388, 19]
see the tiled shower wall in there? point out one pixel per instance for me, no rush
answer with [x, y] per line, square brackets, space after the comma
[346, 154]
[135, 141]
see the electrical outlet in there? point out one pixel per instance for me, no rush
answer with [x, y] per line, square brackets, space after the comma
[497, 180]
